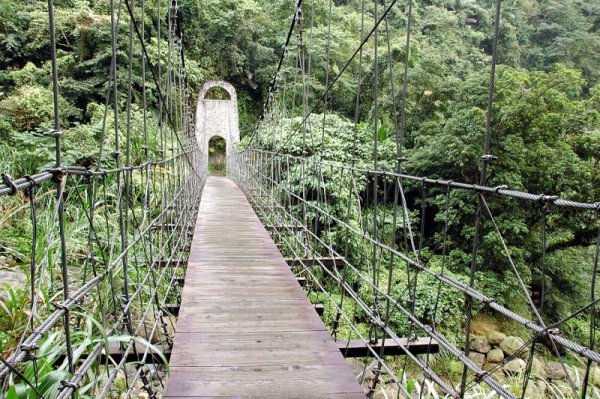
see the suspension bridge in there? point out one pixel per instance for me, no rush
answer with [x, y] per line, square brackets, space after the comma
[150, 278]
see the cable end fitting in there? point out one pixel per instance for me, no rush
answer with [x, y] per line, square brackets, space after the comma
[57, 174]
[53, 133]
[60, 306]
[10, 183]
[547, 199]
[68, 384]
[489, 158]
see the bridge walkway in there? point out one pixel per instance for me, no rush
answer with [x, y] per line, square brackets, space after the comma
[245, 327]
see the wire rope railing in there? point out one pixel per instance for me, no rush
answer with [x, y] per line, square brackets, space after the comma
[376, 244]
[109, 242]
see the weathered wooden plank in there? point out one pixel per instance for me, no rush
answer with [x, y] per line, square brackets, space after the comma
[270, 309]
[271, 336]
[257, 293]
[248, 302]
[257, 358]
[267, 386]
[303, 314]
[266, 326]
[209, 291]
[241, 279]
[244, 373]
[346, 395]
[217, 269]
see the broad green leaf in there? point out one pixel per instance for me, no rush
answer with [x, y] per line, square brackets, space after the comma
[12, 393]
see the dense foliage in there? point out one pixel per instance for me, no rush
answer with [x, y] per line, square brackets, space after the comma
[84, 58]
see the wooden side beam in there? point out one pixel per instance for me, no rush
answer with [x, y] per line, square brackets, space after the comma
[301, 281]
[392, 348]
[172, 226]
[350, 349]
[271, 207]
[172, 308]
[320, 308]
[171, 263]
[116, 354]
[284, 228]
[328, 262]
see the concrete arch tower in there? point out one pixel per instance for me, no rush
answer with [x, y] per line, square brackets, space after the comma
[217, 118]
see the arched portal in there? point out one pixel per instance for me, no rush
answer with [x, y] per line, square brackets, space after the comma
[217, 155]
[217, 115]
[217, 93]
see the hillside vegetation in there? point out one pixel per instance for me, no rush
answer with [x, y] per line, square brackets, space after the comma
[546, 128]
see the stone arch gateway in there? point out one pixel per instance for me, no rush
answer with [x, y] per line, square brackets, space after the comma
[217, 118]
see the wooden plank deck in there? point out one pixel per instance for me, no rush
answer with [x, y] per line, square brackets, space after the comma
[245, 327]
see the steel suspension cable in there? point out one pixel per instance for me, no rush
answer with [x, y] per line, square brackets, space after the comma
[60, 183]
[486, 158]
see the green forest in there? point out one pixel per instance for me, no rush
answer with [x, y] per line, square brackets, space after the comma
[545, 129]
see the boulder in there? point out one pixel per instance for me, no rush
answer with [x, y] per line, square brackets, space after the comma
[514, 366]
[495, 337]
[12, 277]
[477, 358]
[511, 345]
[7, 262]
[542, 387]
[555, 371]
[576, 374]
[537, 368]
[480, 345]
[496, 355]
[536, 390]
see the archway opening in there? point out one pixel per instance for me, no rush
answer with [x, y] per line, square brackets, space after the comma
[217, 93]
[217, 153]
